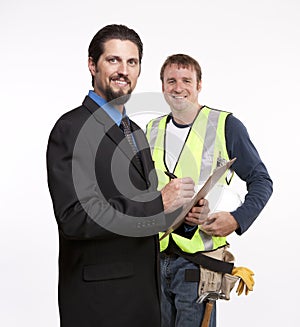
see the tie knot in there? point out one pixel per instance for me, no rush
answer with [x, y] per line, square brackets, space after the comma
[125, 125]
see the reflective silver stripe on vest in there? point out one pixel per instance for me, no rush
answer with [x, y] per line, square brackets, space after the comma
[154, 133]
[206, 164]
[209, 145]
[207, 241]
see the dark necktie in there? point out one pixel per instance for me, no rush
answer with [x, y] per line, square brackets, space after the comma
[128, 134]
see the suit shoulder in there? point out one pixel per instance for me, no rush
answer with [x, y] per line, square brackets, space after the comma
[76, 113]
[69, 124]
[73, 116]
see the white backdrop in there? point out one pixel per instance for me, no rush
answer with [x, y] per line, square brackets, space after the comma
[249, 52]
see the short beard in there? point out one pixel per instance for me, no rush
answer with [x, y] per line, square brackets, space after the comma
[117, 98]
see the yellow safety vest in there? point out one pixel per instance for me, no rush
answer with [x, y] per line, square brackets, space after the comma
[203, 151]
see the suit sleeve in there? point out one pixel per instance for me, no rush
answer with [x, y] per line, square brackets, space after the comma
[81, 211]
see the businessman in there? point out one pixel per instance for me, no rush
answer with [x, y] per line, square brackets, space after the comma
[104, 191]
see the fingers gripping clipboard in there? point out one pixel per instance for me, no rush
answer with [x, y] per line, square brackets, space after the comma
[208, 185]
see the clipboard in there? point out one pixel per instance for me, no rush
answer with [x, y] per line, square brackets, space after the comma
[208, 185]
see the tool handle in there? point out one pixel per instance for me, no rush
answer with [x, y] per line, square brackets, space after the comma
[208, 308]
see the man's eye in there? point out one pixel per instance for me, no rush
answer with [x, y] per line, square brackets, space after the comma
[132, 62]
[112, 60]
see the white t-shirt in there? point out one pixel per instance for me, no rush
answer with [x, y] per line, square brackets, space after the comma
[176, 135]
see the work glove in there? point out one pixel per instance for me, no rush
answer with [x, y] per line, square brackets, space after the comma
[246, 280]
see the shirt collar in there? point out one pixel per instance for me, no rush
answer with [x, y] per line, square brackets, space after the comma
[113, 113]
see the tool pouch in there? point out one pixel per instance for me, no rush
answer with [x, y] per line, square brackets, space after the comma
[228, 282]
[211, 281]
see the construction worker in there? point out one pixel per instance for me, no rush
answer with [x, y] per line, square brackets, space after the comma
[192, 141]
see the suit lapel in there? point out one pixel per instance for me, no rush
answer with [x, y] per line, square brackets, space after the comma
[143, 146]
[112, 131]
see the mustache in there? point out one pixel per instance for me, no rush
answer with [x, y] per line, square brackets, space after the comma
[120, 76]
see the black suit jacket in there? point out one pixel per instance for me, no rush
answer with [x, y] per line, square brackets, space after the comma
[108, 215]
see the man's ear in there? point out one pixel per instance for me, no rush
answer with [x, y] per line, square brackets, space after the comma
[92, 66]
[199, 88]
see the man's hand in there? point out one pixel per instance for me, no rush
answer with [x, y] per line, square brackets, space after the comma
[176, 193]
[220, 224]
[198, 213]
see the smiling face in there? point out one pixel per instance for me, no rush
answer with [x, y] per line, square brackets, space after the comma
[181, 88]
[116, 72]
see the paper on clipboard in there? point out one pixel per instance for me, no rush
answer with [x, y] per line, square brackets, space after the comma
[208, 185]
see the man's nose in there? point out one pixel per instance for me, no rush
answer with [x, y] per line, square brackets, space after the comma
[178, 87]
[123, 68]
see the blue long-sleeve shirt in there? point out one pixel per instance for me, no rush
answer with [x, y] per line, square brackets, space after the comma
[250, 168]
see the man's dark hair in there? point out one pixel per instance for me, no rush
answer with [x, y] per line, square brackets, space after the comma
[109, 32]
[182, 61]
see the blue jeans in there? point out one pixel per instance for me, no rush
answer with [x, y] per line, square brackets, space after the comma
[178, 298]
